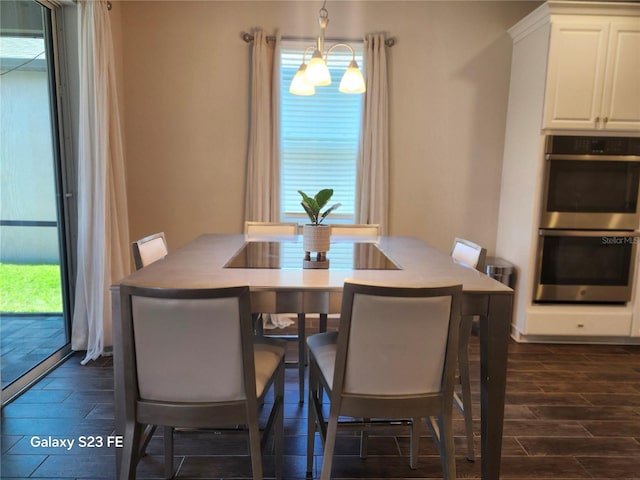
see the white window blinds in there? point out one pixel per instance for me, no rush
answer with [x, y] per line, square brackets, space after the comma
[320, 136]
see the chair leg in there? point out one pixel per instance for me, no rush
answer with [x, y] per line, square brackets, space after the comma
[329, 445]
[311, 417]
[130, 450]
[364, 440]
[364, 443]
[302, 353]
[447, 449]
[254, 445]
[415, 443]
[168, 452]
[442, 432]
[463, 366]
[322, 328]
[147, 433]
[279, 427]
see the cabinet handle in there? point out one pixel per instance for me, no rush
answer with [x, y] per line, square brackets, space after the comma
[606, 119]
[597, 121]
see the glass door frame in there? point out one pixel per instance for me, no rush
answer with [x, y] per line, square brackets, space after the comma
[64, 178]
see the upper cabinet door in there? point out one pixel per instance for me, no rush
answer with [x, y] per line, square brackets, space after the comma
[575, 76]
[593, 77]
[621, 92]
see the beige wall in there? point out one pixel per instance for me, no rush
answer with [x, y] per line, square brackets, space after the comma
[185, 88]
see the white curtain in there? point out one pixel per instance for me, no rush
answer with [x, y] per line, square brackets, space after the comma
[103, 231]
[262, 190]
[372, 197]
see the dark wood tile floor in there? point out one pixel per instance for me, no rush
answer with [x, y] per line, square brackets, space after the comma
[572, 412]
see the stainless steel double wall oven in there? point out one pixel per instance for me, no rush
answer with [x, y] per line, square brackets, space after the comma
[589, 220]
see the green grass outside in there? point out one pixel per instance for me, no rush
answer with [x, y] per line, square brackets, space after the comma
[30, 288]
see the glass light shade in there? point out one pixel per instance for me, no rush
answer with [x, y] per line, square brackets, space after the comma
[299, 86]
[317, 71]
[352, 80]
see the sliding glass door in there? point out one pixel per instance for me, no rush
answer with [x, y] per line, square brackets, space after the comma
[34, 303]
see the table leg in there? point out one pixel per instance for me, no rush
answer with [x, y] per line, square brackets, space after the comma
[258, 324]
[494, 346]
[322, 322]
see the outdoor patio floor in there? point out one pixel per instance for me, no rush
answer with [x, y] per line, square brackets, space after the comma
[26, 340]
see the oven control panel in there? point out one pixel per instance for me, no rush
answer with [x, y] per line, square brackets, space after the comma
[581, 145]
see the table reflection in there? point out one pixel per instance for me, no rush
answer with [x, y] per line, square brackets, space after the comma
[289, 255]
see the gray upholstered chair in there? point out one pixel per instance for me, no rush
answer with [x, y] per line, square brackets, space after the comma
[356, 230]
[261, 231]
[374, 368]
[146, 251]
[205, 370]
[365, 230]
[149, 249]
[256, 229]
[471, 255]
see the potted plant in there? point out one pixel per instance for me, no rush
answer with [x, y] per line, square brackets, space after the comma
[316, 236]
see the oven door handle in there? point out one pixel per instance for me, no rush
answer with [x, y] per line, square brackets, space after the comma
[587, 157]
[546, 232]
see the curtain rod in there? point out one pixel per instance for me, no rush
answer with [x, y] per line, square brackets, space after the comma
[248, 38]
[109, 6]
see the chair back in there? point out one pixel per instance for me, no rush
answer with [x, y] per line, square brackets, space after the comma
[267, 228]
[149, 249]
[469, 253]
[414, 354]
[188, 345]
[356, 230]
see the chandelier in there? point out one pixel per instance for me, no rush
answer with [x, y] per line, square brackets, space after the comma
[317, 74]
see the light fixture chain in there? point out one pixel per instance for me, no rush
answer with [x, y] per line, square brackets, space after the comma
[317, 73]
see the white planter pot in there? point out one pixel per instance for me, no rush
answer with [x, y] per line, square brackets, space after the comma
[316, 238]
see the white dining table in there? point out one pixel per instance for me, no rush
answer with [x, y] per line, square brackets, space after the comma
[279, 284]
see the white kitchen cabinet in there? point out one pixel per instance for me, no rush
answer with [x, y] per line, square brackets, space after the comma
[572, 62]
[578, 321]
[621, 93]
[593, 78]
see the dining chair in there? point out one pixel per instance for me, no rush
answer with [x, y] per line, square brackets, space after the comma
[471, 255]
[374, 368]
[205, 370]
[270, 228]
[363, 229]
[371, 230]
[146, 251]
[255, 231]
[149, 249]
[261, 231]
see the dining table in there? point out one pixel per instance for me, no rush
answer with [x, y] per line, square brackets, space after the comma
[272, 266]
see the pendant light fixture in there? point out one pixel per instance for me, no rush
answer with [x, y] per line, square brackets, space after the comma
[316, 73]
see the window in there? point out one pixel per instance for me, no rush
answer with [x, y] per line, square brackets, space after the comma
[319, 136]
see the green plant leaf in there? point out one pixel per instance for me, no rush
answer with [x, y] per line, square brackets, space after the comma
[311, 202]
[305, 197]
[323, 196]
[312, 216]
[328, 211]
[313, 205]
